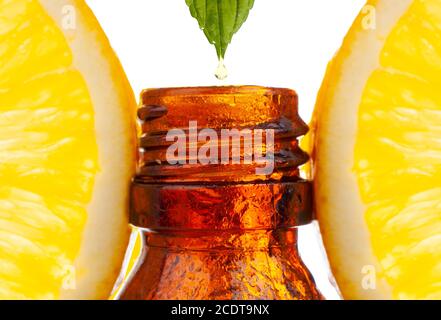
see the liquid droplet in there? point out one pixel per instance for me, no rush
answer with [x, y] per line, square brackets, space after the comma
[221, 71]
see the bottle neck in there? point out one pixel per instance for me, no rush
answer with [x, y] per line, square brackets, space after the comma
[246, 240]
[203, 155]
[220, 134]
[215, 207]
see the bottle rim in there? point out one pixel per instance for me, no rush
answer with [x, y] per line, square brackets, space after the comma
[219, 90]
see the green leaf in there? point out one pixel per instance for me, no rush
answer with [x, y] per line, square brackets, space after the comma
[220, 19]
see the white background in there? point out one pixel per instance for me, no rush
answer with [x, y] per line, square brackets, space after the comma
[284, 43]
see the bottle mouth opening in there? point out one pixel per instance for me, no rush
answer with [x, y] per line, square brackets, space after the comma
[209, 91]
[234, 133]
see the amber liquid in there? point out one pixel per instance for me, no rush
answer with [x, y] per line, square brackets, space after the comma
[220, 231]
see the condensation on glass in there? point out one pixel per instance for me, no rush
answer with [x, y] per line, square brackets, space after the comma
[220, 231]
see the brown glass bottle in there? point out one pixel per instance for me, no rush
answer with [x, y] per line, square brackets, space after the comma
[220, 230]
